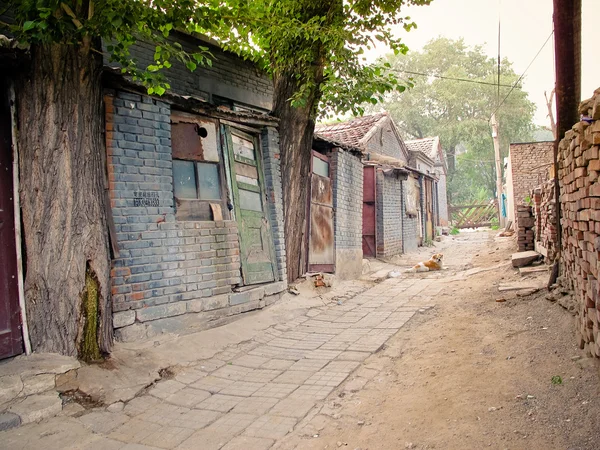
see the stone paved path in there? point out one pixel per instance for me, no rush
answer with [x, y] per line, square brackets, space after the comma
[248, 396]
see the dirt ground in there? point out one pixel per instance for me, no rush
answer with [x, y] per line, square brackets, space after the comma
[471, 373]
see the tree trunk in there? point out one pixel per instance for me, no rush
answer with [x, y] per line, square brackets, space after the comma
[296, 130]
[63, 182]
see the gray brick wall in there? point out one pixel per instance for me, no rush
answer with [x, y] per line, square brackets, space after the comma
[410, 226]
[165, 267]
[389, 215]
[274, 192]
[229, 76]
[347, 175]
[385, 142]
[161, 261]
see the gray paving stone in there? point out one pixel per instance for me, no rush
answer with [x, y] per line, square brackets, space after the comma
[255, 405]
[293, 407]
[341, 366]
[100, 443]
[314, 392]
[253, 362]
[37, 407]
[323, 354]
[249, 443]
[197, 419]
[209, 365]
[164, 414]
[134, 431]
[327, 378]
[310, 365]
[220, 402]
[278, 364]
[276, 390]
[262, 375]
[164, 389]
[353, 356]
[231, 372]
[271, 427]
[294, 377]
[188, 397]
[190, 375]
[242, 388]
[139, 405]
[103, 422]
[167, 437]
[212, 384]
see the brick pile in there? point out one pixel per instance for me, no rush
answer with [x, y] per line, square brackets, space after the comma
[525, 224]
[579, 167]
[545, 220]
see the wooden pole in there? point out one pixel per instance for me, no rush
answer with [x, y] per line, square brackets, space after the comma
[496, 139]
[567, 55]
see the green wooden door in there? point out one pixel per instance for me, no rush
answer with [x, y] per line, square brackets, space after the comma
[256, 243]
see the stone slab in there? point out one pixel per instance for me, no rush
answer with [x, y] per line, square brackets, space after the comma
[535, 269]
[522, 259]
[38, 407]
[9, 420]
[10, 387]
[36, 363]
[37, 384]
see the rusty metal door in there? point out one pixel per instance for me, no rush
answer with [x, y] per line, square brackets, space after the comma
[256, 242]
[369, 229]
[11, 342]
[321, 242]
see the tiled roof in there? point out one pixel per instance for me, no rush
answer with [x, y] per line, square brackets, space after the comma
[429, 146]
[349, 133]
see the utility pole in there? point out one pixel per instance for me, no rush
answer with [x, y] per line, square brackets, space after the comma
[496, 140]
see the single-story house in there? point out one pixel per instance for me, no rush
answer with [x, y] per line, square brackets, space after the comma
[393, 197]
[432, 148]
[196, 211]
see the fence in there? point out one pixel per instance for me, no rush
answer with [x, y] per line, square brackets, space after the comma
[473, 216]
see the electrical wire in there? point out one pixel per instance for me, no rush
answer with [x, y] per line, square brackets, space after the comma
[523, 74]
[466, 80]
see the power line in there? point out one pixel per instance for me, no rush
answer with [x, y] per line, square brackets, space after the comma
[466, 80]
[523, 74]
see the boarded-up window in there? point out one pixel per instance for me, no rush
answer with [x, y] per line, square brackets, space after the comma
[197, 169]
[412, 196]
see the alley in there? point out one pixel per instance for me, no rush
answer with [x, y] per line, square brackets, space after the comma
[419, 361]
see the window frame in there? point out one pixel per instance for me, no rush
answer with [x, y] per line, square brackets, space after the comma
[190, 209]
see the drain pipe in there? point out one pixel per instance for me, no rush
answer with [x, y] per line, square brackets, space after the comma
[17, 208]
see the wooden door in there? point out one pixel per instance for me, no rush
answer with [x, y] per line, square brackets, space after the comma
[11, 341]
[256, 243]
[321, 239]
[369, 229]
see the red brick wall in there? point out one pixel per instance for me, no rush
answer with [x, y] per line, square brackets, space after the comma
[530, 163]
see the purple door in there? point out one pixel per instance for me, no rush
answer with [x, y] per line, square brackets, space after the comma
[11, 342]
[369, 232]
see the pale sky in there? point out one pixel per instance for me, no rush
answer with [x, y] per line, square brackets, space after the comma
[525, 25]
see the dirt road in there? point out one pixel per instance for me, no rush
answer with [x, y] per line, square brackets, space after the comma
[471, 373]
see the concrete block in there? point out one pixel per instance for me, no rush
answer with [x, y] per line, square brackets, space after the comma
[160, 311]
[215, 302]
[239, 298]
[131, 333]
[522, 259]
[10, 387]
[38, 407]
[123, 318]
[275, 288]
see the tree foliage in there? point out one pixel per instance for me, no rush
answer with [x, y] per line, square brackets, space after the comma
[459, 112]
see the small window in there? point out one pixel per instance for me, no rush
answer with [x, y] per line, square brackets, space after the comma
[197, 169]
[320, 167]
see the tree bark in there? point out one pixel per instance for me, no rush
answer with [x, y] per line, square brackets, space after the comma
[296, 129]
[63, 182]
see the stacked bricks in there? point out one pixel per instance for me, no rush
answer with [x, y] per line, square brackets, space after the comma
[579, 167]
[166, 268]
[545, 219]
[529, 163]
[525, 223]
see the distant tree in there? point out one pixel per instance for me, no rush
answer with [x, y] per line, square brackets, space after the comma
[458, 111]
